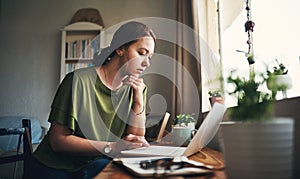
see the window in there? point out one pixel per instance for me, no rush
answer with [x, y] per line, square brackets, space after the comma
[276, 36]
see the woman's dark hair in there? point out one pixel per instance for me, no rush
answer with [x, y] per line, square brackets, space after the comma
[126, 35]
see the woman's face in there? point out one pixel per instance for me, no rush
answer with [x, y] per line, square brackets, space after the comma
[136, 58]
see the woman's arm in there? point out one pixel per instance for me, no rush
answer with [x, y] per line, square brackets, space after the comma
[62, 140]
[137, 119]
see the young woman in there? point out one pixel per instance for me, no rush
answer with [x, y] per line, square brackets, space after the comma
[98, 111]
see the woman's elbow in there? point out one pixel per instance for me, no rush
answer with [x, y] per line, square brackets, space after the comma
[55, 143]
[57, 137]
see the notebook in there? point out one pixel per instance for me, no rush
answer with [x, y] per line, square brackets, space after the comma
[138, 167]
[203, 136]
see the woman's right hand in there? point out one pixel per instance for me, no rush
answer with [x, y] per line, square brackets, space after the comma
[129, 142]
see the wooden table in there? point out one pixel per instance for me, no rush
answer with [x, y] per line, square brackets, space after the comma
[206, 155]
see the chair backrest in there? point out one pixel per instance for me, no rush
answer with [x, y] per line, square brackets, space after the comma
[156, 126]
[24, 133]
[163, 126]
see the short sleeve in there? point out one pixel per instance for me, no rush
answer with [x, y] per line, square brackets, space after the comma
[62, 108]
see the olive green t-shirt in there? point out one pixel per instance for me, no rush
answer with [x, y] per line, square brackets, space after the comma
[91, 110]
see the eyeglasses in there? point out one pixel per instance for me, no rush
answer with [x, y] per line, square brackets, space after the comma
[166, 164]
[172, 163]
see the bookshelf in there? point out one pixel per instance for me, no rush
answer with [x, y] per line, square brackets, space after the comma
[79, 42]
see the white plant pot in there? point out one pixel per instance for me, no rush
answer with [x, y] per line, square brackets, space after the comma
[182, 135]
[258, 149]
[282, 80]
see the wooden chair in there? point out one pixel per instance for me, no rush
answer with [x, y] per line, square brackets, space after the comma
[24, 133]
[156, 125]
[163, 127]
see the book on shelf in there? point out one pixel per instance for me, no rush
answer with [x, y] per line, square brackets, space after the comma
[81, 49]
[74, 66]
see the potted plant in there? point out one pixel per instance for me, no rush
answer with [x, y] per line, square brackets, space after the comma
[278, 79]
[254, 142]
[183, 128]
[215, 95]
[184, 120]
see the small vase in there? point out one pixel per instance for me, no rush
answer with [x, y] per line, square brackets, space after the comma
[284, 80]
[258, 149]
[215, 99]
[281, 81]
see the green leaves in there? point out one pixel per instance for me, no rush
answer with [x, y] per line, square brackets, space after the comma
[214, 93]
[184, 119]
[278, 70]
[252, 103]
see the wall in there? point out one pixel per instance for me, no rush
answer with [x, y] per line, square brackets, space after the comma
[30, 46]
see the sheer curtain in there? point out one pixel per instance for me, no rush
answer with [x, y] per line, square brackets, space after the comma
[209, 28]
[197, 55]
[206, 24]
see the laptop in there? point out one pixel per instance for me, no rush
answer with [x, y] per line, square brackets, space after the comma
[203, 136]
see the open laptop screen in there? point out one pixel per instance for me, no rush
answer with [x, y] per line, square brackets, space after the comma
[203, 136]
